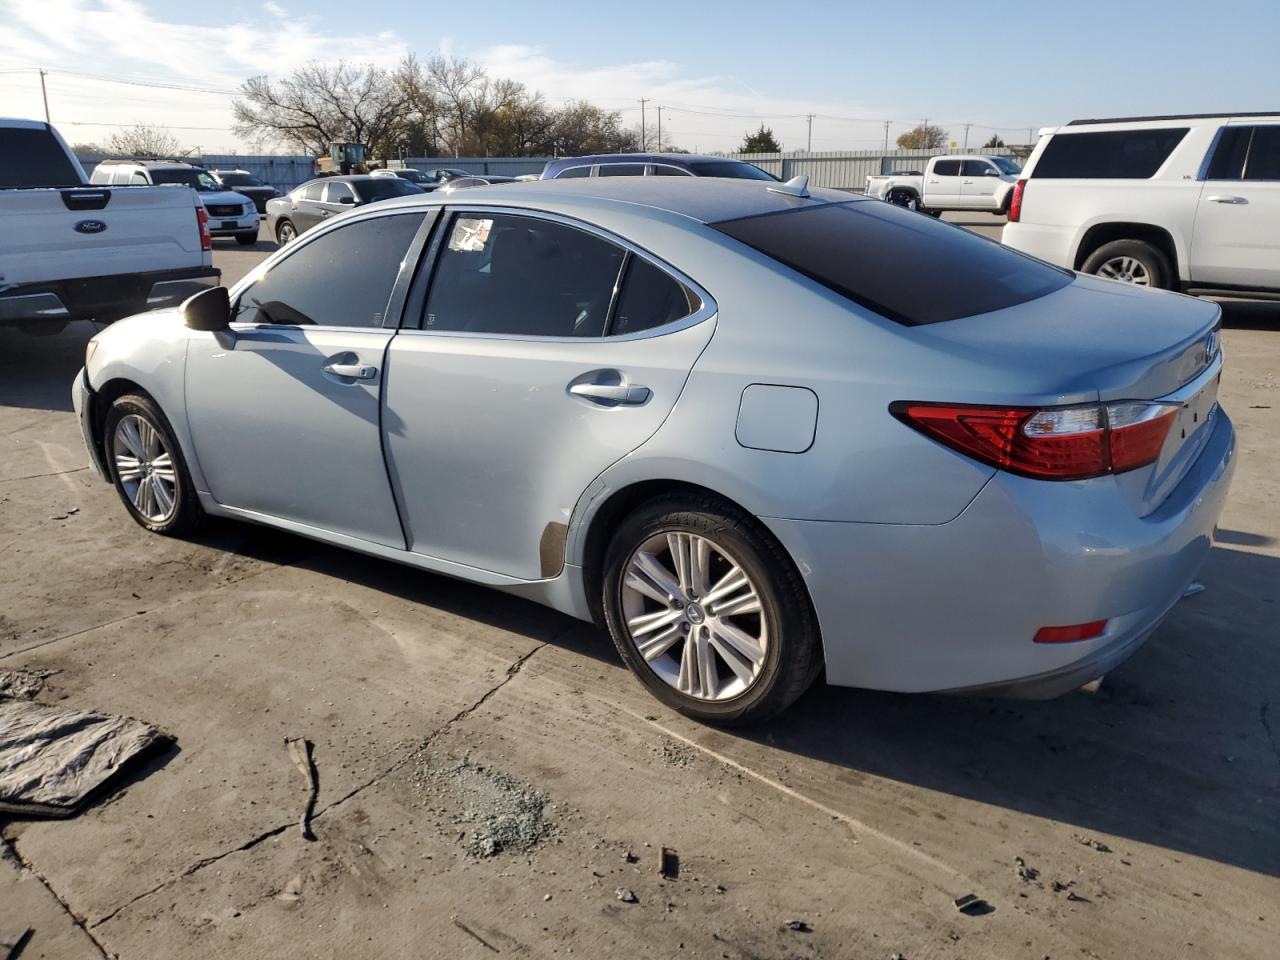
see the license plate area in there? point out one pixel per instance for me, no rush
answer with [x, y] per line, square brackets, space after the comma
[230, 225]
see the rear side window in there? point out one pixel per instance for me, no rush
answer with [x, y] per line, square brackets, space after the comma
[908, 268]
[621, 170]
[979, 168]
[1264, 155]
[342, 278]
[1228, 156]
[313, 190]
[1107, 155]
[573, 172]
[522, 276]
[34, 158]
[734, 169]
[947, 168]
[650, 298]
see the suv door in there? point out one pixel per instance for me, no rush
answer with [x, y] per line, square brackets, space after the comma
[978, 182]
[942, 185]
[285, 419]
[546, 351]
[1236, 242]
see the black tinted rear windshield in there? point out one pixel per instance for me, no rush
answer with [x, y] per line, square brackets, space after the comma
[904, 265]
[34, 158]
[738, 169]
[1108, 154]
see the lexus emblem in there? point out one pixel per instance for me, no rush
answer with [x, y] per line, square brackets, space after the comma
[90, 226]
[1210, 347]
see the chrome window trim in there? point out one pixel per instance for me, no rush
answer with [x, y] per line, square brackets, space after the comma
[408, 268]
[590, 167]
[706, 311]
[668, 166]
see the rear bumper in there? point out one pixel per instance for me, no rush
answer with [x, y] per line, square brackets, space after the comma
[82, 400]
[103, 297]
[954, 607]
[1057, 245]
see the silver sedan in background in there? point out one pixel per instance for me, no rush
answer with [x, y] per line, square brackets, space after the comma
[759, 432]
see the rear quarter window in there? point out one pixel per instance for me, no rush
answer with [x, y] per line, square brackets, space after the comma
[904, 266]
[1107, 155]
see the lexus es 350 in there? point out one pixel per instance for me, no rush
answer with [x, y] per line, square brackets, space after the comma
[756, 431]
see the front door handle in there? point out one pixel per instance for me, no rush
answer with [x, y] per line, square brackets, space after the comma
[1226, 199]
[967, 183]
[356, 371]
[611, 394]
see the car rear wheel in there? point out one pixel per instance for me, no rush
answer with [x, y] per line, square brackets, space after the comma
[245, 239]
[147, 467]
[1131, 261]
[286, 232]
[708, 611]
[903, 198]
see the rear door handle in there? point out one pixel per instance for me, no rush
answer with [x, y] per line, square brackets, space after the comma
[1226, 199]
[611, 394]
[356, 371]
[967, 182]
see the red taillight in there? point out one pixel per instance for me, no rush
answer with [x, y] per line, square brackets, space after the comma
[1081, 631]
[1049, 443]
[206, 238]
[1015, 202]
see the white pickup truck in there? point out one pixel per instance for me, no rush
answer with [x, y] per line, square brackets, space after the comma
[952, 182]
[1188, 202]
[72, 251]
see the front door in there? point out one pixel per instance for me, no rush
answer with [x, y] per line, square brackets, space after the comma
[546, 352]
[1237, 232]
[942, 184]
[285, 412]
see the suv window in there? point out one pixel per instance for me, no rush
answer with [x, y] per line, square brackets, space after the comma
[621, 170]
[521, 275]
[947, 168]
[1264, 155]
[651, 298]
[977, 168]
[34, 158]
[863, 249]
[1108, 155]
[342, 278]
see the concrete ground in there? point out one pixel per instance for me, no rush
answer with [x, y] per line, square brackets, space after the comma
[491, 777]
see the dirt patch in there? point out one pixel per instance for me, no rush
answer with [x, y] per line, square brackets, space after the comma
[492, 812]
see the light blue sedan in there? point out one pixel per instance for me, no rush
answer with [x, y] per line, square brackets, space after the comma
[757, 431]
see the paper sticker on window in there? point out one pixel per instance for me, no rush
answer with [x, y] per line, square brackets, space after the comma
[470, 235]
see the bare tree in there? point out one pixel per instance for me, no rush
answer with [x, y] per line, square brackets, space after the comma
[319, 104]
[145, 140]
[582, 128]
[923, 137]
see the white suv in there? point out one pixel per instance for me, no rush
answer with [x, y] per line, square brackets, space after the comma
[1181, 202]
[231, 214]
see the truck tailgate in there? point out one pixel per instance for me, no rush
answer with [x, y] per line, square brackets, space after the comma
[58, 234]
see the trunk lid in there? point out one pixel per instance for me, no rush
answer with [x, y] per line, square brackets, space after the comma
[1103, 340]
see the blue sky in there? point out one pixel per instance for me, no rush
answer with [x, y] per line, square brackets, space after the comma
[717, 68]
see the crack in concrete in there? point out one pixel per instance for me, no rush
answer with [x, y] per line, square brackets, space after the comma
[513, 669]
[25, 864]
[39, 476]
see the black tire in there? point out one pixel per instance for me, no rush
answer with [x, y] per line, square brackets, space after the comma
[247, 239]
[930, 212]
[186, 513]
[902, 198]
[286, 232]
[1151, 261]
[793, 652]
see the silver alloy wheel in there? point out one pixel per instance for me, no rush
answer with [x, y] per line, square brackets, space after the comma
[1128, 269]
[286, 234]
[695, 616]
[145, 468]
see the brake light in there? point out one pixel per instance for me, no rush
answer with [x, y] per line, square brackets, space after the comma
[1050, 443]
[1080, 631]
[1015, 202]
[202, 219]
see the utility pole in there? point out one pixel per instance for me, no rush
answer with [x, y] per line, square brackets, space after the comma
[44, 91]
[809, 144]
[966, 135]
[659, 128]
[886, 135]
[644, 141]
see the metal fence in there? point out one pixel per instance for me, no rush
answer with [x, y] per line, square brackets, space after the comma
[843, 170]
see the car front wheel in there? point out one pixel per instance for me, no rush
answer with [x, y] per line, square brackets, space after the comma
[708, 611]
[147, 467]
[286, 232]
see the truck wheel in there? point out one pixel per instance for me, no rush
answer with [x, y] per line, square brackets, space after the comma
[1130, 261]
[246, 239]
[903, 198]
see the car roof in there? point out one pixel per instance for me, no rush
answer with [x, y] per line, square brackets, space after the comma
[1175, 116]
[647, 158]
[705, 199]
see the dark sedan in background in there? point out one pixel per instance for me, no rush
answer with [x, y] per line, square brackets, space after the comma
[245, 183]
[317, 200]
[652, 165]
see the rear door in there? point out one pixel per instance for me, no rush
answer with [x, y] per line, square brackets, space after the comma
[942, 184]
[545, 351]
[308, 210]
[978, 182]
[1236, 242]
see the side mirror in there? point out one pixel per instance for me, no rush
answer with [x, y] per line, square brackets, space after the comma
[208, 310]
